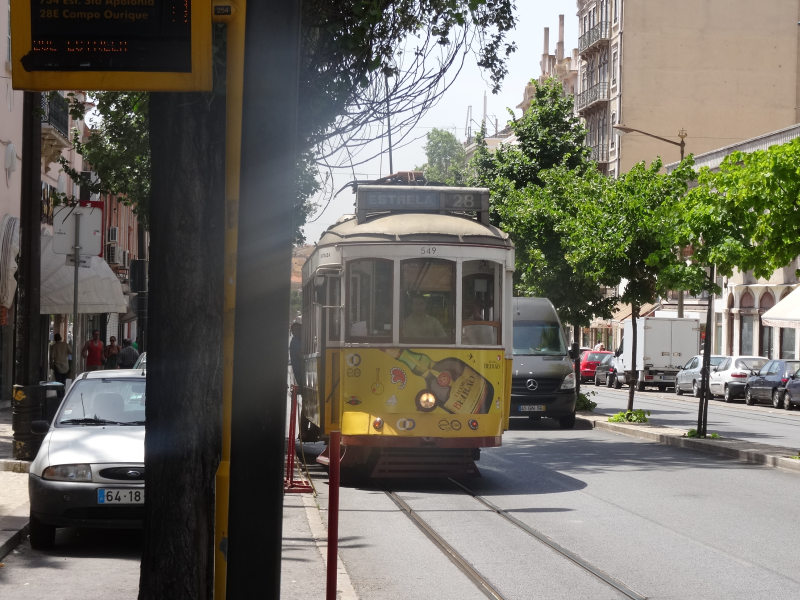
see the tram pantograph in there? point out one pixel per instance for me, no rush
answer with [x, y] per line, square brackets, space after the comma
[407, 331]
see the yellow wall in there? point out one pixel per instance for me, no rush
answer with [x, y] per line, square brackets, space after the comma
[725, 70]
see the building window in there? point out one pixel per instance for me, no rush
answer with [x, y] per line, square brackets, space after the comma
[8, 50]
[746, 340]
[616, 10]
[614, 68]
[585, 23]
[766, 342]
[787, 343]
[612, 173]
[718, 334]
[613, 135]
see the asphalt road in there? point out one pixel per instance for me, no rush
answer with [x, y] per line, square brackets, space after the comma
[666, 522]
[762, 423]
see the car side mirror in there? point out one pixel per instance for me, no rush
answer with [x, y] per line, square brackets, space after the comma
[40, 427]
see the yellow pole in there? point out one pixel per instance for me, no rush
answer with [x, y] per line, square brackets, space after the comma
[235, 18]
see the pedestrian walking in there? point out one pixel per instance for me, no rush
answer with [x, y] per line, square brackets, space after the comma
[59, 358]
[111, 353]
[92, 351]
[128, 355]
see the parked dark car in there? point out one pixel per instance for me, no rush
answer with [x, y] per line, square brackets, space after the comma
[791, 397]
[604, 370]
[589, 362]
[770, 382]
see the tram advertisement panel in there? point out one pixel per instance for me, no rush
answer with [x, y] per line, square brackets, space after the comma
[442, 382]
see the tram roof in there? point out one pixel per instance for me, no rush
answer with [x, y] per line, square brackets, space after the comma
[414, 227]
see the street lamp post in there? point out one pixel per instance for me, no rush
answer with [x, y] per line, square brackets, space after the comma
[622, 130]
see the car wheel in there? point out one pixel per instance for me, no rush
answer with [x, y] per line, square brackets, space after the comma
[596, 382]
[639, 386]
[728, 394]
[678, 389]
[696, 391]
[787, 401]
[617, 384]
[567, 422]
[748, 397]
[42, 536]
[777, 399]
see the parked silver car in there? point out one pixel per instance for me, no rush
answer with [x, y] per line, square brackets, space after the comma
[689, 378]
[729, 378]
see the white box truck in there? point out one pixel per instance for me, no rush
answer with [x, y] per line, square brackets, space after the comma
[663, 345]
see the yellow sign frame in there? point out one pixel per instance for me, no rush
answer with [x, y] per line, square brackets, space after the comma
[198, 80]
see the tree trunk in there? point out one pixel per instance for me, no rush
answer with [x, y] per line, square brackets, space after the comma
[184, 388]
[576, 365]
[634, 378]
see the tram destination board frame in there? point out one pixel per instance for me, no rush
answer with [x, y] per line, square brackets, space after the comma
[411, 198]
[113, 45]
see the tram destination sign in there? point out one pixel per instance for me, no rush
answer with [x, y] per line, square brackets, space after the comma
[399, 198]
[111, 44]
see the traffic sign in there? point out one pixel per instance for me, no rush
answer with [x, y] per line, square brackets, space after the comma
[90, 233]
[124, 45]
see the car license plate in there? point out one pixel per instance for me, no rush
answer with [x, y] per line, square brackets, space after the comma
[117, 496]
[534, 408]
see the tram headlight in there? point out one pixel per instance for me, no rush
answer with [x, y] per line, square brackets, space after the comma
[426, 401]
[569, 382]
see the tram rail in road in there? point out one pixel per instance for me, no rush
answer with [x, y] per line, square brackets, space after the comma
[483, 584]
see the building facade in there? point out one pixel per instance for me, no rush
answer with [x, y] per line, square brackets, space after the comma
[719, 69]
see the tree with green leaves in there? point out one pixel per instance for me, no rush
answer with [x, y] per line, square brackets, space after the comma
[446, 159]
[527, 201]
[624, 231]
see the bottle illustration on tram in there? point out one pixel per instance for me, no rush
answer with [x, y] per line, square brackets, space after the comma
[452, 384]
[377, 387]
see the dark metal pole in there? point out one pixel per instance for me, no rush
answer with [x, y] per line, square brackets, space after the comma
[334, 452]
[28, 360]
[706, 372]
[260, 359]
[389, 127]
[141, 291]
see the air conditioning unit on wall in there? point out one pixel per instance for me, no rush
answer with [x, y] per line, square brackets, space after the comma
[126, 259]
[113, 255]
[113, 235]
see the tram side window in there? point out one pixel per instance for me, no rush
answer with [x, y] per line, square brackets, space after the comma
[369, 300]
[428, 300]
[480, 315]
[334, 299]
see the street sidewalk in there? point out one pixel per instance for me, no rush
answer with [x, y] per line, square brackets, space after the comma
[13, 490]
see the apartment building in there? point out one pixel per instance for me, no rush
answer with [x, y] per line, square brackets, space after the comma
[723, 71]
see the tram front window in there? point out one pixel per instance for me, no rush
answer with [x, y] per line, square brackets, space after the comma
[480, 317]
[370, 284]
[427, 288]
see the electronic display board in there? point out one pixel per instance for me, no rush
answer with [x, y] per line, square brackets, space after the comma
[124, 45]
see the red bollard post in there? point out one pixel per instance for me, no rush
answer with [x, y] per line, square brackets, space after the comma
[333, 513]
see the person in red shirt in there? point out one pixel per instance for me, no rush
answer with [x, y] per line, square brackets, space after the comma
[93, 352]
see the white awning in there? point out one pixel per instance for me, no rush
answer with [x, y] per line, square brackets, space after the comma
[9, 248]
[785, 313]
[99, 290]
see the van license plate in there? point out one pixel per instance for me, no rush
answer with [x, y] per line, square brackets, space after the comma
[534, 408]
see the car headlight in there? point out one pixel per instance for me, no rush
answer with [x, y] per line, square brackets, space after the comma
[569, 382]
[68, 473]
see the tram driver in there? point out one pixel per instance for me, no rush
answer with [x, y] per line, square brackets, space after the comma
[419, 324]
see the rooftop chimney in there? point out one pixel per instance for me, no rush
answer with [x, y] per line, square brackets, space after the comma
[560, 46]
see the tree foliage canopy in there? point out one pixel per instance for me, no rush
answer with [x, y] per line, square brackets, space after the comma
[446, 159]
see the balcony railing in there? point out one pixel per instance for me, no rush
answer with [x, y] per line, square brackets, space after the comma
[597, 93]
[598, 33]
[55, 112]
[600, 153]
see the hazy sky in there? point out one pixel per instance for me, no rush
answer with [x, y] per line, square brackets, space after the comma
[468, 89]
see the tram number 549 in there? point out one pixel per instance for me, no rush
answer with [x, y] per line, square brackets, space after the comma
[428, 250]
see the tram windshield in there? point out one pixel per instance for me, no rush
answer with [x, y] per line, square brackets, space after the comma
[370, 284]
[427, 287]
[480, 322]
[537, 338]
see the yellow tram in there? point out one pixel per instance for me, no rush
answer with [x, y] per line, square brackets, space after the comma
[407, 330]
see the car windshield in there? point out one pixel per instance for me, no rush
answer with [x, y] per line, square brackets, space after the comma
[532, 338]
[752, 364]
[716, 360]
[596, 356]
[104, 402]
[141, 362]
[607, 359]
